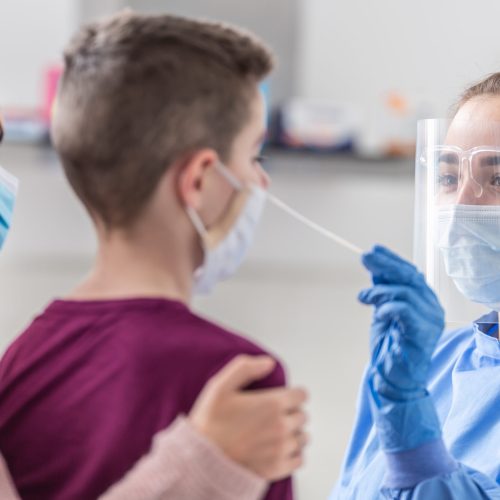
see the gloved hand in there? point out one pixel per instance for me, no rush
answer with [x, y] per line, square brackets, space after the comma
[407, 323]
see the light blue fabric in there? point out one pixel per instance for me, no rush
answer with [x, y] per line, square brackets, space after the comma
[408, 468]
[8, 192]
[463, 384]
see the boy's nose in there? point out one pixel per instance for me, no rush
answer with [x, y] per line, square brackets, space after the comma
[264, 179]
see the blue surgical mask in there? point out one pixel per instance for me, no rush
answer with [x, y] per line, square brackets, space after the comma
[469, 241]
[8, 193]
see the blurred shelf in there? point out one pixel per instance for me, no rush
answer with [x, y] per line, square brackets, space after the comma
[15, 155]
[348, 162]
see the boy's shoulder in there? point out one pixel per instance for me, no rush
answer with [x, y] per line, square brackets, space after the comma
[218, 345]
[198, 347]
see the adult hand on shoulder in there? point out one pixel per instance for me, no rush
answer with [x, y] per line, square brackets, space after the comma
[262, 430]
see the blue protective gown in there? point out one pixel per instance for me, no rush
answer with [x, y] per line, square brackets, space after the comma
[465, 387]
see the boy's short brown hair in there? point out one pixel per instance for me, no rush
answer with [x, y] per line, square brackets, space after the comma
[138, 92]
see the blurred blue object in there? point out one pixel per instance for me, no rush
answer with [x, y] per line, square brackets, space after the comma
[26, 129]
[317, 126]
[265, 88]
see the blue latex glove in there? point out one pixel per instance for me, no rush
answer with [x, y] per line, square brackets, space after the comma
[407, 323]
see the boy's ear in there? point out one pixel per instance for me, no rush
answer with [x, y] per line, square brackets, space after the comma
[193, 177]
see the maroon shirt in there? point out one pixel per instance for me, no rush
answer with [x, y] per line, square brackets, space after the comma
[87, 385]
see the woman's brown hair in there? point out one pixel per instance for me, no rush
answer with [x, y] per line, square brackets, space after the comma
[489, 86]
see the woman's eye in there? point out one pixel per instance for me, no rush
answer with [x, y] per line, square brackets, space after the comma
[447, 180]
[495, 181]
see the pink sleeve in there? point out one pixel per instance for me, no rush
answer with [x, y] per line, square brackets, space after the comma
[7, 490]
[184, 465]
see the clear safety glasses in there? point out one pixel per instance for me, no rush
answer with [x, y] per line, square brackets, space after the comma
[464, 177]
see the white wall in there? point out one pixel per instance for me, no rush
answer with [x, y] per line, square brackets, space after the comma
[275, 21]
[356, 50]
[90, 10]
[32, 35]
[348, 50]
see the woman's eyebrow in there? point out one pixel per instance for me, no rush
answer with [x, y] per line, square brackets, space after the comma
[490, 160]
[448, 158]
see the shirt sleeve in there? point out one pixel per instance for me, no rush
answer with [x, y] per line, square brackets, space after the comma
[429, 471]
[185, 465]
[282, 489]
[462, 482]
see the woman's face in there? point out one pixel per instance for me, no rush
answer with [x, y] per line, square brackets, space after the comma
[469, 161]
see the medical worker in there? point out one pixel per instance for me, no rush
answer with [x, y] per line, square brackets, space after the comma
[428, 421]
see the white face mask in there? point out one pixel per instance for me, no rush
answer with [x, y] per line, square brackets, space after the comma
[469, 240]
[226, 245]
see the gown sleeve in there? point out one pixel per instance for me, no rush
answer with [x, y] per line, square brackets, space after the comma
[461, 483]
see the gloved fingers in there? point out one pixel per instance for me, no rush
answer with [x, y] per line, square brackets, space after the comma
[417, 349]
[380, 343]
[400, 313]
[387, 267]
[383, 250]
[379, 294]
[407, 320]
[422, 300]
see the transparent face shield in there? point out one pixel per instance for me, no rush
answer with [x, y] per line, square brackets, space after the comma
[457, 215]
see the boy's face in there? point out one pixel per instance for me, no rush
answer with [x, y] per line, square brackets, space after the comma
[244, 163]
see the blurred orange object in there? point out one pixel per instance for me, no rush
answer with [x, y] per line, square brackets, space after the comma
[397, 103]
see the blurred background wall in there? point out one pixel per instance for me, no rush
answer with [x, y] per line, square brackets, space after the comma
[32, 35]
[356, 51]
[348, 50]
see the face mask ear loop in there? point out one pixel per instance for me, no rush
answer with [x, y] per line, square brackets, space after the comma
[229, 176]
[197, 222]
[193, 215]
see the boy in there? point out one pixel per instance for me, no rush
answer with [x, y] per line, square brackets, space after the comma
[159, 125]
